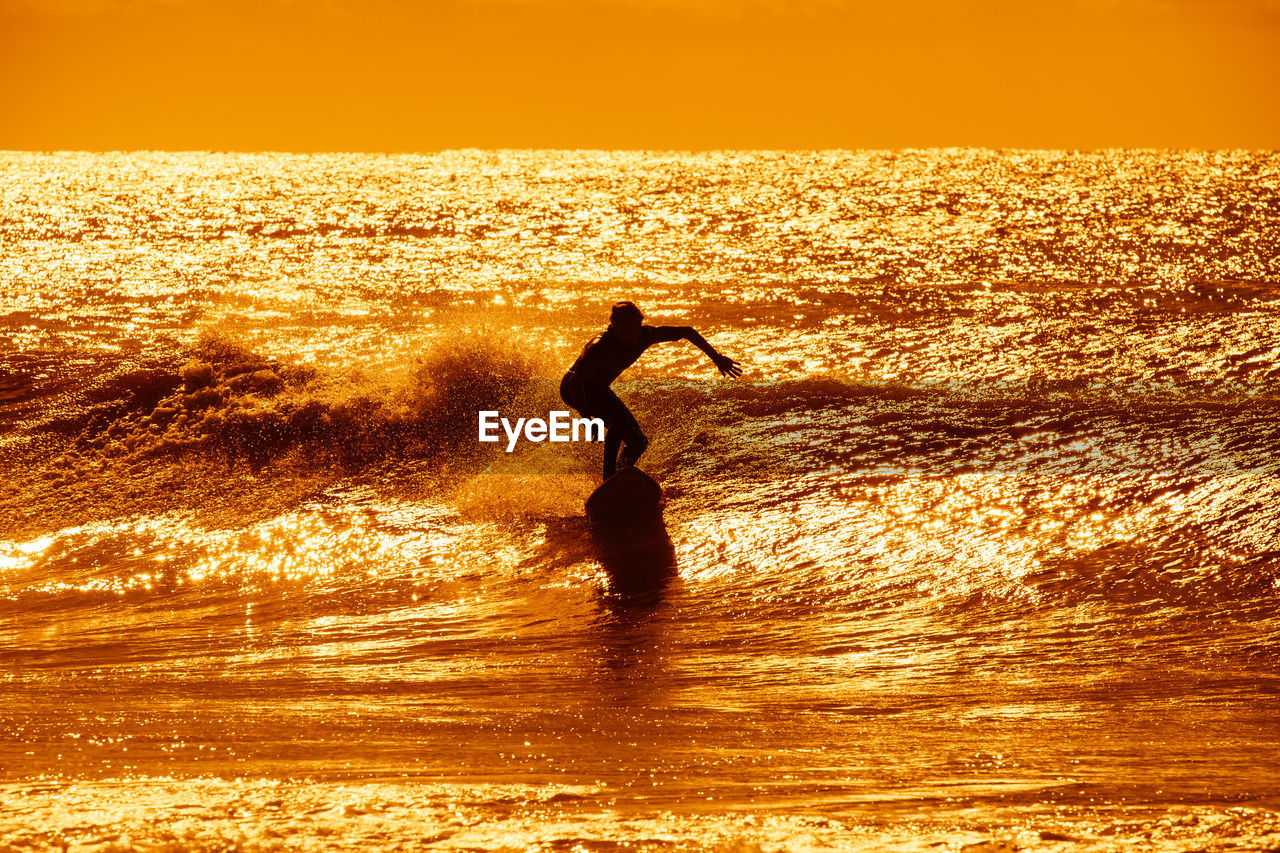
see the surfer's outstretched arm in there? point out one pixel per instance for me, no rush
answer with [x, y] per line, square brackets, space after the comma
[727, 366]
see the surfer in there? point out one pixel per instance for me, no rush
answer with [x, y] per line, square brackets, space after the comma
[586, 386]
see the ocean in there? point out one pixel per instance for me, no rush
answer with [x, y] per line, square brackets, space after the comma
[981, 553]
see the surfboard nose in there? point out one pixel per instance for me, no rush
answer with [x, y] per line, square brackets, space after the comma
[629, 497]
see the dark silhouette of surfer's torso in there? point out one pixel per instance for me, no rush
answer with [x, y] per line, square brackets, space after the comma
[605, 357]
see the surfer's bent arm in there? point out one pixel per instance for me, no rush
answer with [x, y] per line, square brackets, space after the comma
[727, 366]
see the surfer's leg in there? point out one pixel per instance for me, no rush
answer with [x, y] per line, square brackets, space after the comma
[595, 401]
[623, 430]
[612, 441]
[636, 443]
[587, 400]
[620, 427]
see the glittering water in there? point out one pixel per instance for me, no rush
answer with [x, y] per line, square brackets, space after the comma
[982, 549]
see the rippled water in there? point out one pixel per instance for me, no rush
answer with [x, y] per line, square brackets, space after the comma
[981, 550]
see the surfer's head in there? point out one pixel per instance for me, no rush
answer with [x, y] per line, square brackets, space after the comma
[625, 320]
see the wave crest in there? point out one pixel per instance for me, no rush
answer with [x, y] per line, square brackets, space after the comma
[222, 403]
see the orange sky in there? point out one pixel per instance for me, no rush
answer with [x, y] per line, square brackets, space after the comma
[395, 75]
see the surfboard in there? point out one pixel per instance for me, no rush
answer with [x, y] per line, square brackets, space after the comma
[629, 498]
[631, 539]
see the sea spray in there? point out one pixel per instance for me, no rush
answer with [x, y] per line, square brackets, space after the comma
[222, 409]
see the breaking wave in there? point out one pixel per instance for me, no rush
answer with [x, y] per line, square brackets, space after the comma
[222, 410]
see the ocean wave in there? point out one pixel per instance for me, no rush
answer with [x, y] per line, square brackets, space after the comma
[223, 410]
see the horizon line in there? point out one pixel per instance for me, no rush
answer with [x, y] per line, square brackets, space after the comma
[597, 150]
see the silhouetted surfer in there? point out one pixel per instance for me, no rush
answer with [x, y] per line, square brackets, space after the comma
[586, 385]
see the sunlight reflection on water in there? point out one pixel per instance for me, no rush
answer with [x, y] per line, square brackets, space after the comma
[988, 526]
